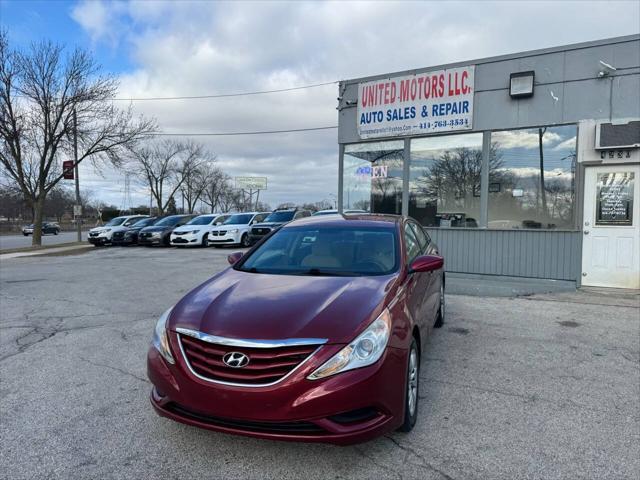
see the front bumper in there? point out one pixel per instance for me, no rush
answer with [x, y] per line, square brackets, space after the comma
[228, 239]
[155, 240]
[187, 240]
[99, 240]
[347, 408]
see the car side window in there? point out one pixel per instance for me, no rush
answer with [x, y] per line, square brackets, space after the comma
[411, 243]
[298, 215]
[422, 237]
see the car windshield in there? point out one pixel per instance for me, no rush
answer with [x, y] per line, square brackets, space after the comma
[284, 216]
[330, 251]
[169, 221]
[239, 219]
[145, 222]
[114, 222]
[202, 220]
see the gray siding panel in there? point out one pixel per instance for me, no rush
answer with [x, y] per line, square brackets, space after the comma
[524, 253]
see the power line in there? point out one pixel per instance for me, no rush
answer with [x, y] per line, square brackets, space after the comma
[229, 134]
[225, 95]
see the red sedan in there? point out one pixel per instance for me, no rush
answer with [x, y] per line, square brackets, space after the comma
[313, 335]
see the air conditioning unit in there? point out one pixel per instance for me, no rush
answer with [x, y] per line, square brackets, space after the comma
[611, 135]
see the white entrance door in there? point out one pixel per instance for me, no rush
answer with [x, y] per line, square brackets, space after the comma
[611, 227]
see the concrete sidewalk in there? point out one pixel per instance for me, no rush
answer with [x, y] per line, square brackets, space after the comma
[69, 249]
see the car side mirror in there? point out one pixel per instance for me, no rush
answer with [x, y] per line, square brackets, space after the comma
[426, 263]
[234, 257]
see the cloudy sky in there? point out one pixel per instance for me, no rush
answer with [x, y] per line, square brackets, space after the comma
[189, 48]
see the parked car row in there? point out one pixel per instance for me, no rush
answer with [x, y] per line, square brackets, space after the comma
[237, 229]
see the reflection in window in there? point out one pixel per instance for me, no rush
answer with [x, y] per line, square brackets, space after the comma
[532, 182]
[373, 177]
[444, 181]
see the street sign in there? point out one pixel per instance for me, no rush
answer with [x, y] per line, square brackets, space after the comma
[251, 183]
[77, 210]
[67, 170]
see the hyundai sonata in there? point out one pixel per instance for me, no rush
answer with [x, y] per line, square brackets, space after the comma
[315, 334]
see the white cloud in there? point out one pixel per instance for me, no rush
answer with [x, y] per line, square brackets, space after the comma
[523, 138]
[197, 48]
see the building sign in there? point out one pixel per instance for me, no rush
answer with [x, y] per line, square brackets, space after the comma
[614, 198]
[373, 171]
[251, 183]
[430, 102]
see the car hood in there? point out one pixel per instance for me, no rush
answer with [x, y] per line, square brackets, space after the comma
[191, 228]
[156, 229]
[231, 226]
[270, 224]
[257, 306]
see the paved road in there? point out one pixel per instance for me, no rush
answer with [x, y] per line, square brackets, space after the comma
[19, 241]
[536, 387]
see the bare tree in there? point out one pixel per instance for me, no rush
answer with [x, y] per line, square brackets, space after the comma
[42, 92]
[198, 176]
[217, 184]
[164, 166]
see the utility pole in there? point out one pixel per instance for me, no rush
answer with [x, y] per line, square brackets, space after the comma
[77, 211]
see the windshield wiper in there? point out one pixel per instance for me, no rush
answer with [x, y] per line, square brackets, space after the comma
[329, 273]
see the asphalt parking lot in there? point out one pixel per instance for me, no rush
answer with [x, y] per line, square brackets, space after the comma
[545, 386]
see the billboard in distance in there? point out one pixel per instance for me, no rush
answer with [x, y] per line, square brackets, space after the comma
[251, 183]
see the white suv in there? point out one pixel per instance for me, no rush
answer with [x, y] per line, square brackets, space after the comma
[196, 231]
[102, 235]
[235, 230]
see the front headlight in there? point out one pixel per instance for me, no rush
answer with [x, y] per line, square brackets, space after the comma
[365, 350]
[161, 338]
[194, 232]
[235, 230]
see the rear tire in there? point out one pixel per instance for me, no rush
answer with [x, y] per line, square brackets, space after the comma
[441, 309]
[412, 388]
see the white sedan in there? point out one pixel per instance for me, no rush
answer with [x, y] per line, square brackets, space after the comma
[195, 233]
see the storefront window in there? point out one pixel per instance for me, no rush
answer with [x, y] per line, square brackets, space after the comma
[532, 179]
[373, 177]
[444, 181]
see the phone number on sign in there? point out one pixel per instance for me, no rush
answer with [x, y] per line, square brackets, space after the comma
[454, 122]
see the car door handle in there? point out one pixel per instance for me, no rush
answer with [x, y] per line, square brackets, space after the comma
[586, 232]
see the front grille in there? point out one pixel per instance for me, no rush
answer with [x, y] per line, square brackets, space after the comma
[266, 365]
[218, 233]
[144, 235]
[260, 231]
[93, 234]
[307, 428]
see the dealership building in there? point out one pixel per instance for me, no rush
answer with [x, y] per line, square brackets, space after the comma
[520, 166]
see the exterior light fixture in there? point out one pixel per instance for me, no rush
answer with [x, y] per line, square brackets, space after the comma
[521, 84]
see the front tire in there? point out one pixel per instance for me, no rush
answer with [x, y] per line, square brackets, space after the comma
[441, 309]
[412, 389]
[205, 240]
[244, 242]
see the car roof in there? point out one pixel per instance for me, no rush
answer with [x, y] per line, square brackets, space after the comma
[364, 220]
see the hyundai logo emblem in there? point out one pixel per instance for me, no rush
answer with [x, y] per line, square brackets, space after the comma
[236, 360]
